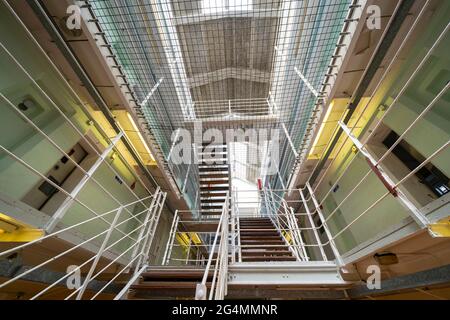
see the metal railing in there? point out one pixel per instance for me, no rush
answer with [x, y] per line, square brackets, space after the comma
[188, 242]
[293, 227]
[133, 256]
[218, 288]
[283, 218]
[238, 107]
[236, 254]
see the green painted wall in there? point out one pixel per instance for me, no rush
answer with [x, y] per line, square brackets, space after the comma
[427, 136]
[26, 143]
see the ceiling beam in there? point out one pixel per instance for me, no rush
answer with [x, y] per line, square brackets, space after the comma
[204, 17]
[254, 75]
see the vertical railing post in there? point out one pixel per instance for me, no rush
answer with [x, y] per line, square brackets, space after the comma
[221, 264]
[188, 252]
[293, 233]
[313, 226]
[152, 229]
[238, 233]
[99, 254]
[239, 240]
[144, 224]
[233, 227]
[197, 257]
[298, 232]
[143, 233]
[275, 211]
[172, 234]
[333, 246]
[294, 247]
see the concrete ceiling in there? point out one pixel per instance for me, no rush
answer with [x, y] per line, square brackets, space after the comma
[227, 54]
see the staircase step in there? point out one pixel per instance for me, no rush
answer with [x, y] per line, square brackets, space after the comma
[265, 246]
[212, 205]
[268, 233]
[278, 247]
[213, 161]
[256, 223]
[146, 285]
[210, 213]
[272, 258]
[212, 183]
[214, 176]
[250, 234]
[217, 193]
[206, 188]
[252, 252]
[212, 200]
[270, 237]
[252, 228]
[213, 168]
[173, 275]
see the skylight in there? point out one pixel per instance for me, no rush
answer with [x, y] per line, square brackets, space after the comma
[216, 6]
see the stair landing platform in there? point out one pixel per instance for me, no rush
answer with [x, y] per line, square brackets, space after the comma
[286, 273]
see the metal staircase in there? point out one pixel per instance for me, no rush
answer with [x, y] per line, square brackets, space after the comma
[158, 282]
[261, 241]
[214, 178]
[234, 254]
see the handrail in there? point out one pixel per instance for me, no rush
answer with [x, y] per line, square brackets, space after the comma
[107, 246]
[284, 222]
[170, 241]
[218, 285]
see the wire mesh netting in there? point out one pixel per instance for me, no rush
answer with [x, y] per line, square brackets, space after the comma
[225, 64]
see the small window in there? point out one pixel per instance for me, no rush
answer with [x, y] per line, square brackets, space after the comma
[47, 188]
[429, 175]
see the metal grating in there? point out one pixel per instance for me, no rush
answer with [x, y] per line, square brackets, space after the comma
[226, 63]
